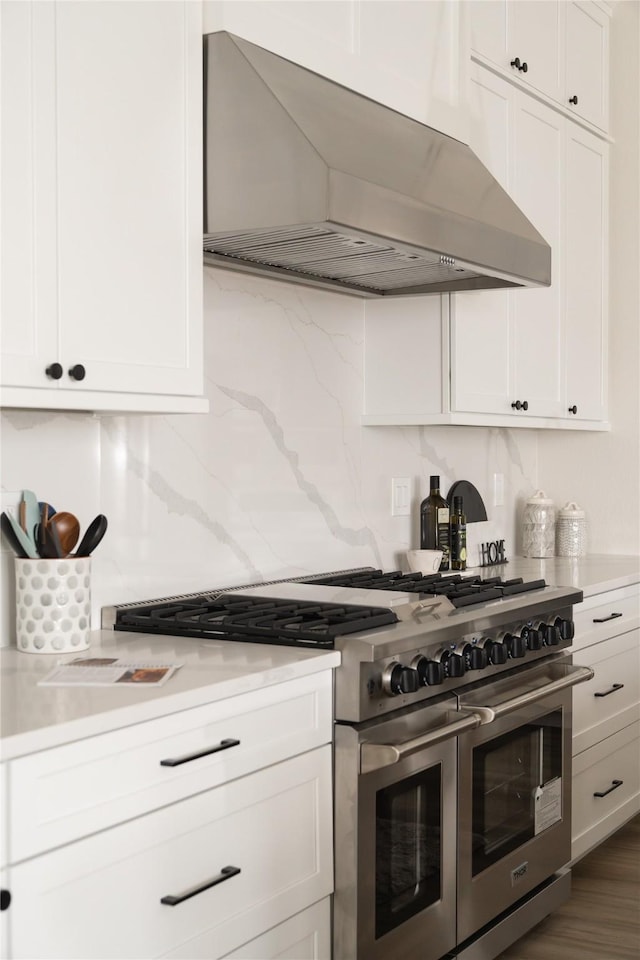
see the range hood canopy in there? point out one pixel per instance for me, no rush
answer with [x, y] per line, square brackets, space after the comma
[308, 181]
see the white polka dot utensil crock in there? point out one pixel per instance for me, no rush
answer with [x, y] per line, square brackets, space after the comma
[53, 605]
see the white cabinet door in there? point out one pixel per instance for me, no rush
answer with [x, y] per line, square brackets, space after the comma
[522, 37]
[28, 290]
[586, 253]
[538, 163]
[404, 53]
[102, 127]
[506, 346]
[587, 62]
[307, 936]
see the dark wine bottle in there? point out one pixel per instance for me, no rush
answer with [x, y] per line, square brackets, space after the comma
[434, 522]
[458, 536]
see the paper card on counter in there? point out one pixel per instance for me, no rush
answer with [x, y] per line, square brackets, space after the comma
[107, 672]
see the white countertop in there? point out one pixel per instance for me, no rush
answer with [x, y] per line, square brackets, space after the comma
[36, 718]
[593, 574]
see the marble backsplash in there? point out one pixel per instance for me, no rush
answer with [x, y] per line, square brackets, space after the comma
[280, 478]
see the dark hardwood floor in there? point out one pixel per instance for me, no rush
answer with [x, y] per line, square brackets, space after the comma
[601, 920]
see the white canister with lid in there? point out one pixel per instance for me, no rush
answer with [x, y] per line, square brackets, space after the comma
[571, 531]
[539, 526]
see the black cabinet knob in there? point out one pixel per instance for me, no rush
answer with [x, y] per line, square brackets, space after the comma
[573, 409]
[5, 899]
[54, 371]
[573, 100]
[520, 405]
[522, 66]
[77, 372]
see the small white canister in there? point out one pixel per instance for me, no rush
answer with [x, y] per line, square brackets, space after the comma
[539, 526]
[571, 531]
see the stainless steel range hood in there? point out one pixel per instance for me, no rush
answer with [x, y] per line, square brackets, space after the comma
[308, 181]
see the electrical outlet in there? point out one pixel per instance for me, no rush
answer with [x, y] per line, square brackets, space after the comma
[498, 489]
[400, 496]
[10, 500]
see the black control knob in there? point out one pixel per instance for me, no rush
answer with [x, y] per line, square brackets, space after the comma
[516, 645]
[430, 672]
[54, 371]
[77, 372]
[398, 679]
[454, 665]
[573, 100]
[533, 638]
[475, 658]
[566, 628]
[550, 634]
[497, 652]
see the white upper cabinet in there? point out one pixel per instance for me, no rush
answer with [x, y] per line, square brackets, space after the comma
[587, 62]
[559, 48]
[101, 192]
[406, 54]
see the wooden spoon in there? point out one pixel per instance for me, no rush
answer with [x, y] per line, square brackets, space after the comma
[68, 529]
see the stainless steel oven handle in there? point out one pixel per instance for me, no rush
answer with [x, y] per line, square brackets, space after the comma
[374, 756]
[573, 676]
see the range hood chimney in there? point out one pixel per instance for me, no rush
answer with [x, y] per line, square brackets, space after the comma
[310, 182]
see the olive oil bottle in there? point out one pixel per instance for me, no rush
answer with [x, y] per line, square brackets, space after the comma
[434, 522]
[458, 524]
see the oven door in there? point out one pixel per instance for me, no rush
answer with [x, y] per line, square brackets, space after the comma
[514, 779]
[395, 835]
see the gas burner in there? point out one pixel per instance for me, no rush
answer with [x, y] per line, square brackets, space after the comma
[462, 591]
[226, 616]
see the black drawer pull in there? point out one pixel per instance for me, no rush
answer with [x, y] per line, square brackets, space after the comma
[611, 616]
[225, 874]
[176, 761]
[605, 693]
[614, 786]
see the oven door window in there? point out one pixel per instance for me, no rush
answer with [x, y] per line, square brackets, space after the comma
[515, 776]
[408, 848]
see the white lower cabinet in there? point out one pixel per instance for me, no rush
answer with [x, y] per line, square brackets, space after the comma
[230, 843]
[606, 717]
[303, 937]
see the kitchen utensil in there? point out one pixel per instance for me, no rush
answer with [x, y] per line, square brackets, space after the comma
[32, 511]
[68, 529]
[27, 544]
[93, 535]
[49, 544]
[18, 545]
[46, 511]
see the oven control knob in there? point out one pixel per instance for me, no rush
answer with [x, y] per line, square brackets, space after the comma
[496, 651]
[533, 638]
[475, 658]
[397, 679]
[566, 628]
[516, 645]
[430, 672]
[454, 665]
[551, 634]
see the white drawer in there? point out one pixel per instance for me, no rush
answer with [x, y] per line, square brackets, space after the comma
[595, 771]
[62, 794]
[307, 936]
[611, 700]
[101, 897]
[606, 615]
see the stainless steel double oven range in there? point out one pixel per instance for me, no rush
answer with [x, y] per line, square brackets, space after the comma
[452, 746]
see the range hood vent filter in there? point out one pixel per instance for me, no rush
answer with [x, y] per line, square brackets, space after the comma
[310, 182]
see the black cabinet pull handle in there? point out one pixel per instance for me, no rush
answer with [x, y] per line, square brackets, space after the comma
[54, 371]
[573, 409]
[176, 761]
[614, 786]
[611, 616]
[5, 899]
[77, 372]
[616, 686]
[573, 100]
[225, 874]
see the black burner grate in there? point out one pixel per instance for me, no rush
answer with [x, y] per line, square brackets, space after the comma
[294, 622]
[461, 591]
